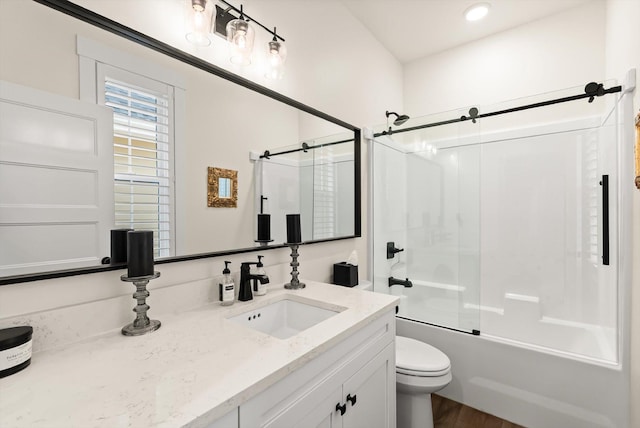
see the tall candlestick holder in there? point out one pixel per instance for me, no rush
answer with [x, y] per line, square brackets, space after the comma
[295, 284]
[142, 324]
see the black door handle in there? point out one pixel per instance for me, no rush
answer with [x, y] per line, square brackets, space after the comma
[605, 219]
[351, 399]
[342, 408]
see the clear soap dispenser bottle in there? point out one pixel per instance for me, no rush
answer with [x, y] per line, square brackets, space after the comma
[227, 287]
[260, 284]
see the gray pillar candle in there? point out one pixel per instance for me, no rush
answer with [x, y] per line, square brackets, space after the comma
[139, 253]
[264, 227]
[294, 232]
[119, 245]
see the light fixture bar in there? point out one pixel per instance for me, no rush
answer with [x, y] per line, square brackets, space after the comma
[235, 9]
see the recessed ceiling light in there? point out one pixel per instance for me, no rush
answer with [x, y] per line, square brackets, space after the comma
[477, 11]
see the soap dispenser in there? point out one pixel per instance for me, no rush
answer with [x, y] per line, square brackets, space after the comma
[227, 287]
[260, 283]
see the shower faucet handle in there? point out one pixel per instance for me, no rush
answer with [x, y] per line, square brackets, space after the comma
[392, 250]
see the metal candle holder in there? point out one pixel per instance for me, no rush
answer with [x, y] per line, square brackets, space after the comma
[263, 242]
[295, 284]
[142, 324]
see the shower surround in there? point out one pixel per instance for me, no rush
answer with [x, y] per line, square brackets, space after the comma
[502, 225]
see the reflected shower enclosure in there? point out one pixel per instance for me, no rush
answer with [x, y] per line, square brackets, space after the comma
[315, 179]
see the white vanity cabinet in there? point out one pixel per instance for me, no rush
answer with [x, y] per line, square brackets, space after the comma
[350, 385]
[339, 372]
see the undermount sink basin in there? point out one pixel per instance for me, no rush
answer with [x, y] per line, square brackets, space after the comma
[284, 318]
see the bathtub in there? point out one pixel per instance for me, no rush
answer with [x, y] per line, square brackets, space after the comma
[526, 383]
[518, 321]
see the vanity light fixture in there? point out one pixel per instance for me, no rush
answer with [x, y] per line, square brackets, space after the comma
[240, 36]
[198, 21]
[237, 27]
[477, 11]
[276, 56]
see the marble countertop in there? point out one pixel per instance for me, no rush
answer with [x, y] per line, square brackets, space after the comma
[197, 367]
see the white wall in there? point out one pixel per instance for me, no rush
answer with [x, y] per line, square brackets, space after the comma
[554, 53]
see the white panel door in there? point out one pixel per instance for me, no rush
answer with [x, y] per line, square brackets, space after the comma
[56, 181]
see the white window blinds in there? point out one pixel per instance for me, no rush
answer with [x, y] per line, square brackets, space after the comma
[324, 191]
[142, 160]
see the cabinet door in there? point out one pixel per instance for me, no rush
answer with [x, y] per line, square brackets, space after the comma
[370, 394]
[315, 410]
[230, 420]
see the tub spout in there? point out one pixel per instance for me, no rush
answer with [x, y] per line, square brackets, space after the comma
[404, 282]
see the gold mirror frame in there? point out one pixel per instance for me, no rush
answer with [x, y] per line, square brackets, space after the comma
[213, 189]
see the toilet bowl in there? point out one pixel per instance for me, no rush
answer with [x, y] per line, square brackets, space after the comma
[420, 370]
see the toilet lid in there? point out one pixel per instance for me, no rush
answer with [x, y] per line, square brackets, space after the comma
[418, 358]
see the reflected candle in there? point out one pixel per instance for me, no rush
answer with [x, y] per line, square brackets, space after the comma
[119, 245]
[139, 253]
[294, 233]
[264, 227]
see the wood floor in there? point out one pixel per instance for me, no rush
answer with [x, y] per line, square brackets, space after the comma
[451, 414]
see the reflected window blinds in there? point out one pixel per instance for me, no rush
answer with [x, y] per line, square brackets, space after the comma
[142, 156]
[324, 194]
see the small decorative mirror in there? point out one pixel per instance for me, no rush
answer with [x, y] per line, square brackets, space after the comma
[222, 188]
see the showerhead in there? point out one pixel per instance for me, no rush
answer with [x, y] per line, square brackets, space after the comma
[400, 119]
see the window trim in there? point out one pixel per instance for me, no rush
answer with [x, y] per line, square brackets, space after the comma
[90, 54]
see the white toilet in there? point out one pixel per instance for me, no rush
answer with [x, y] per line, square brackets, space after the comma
[420, 370]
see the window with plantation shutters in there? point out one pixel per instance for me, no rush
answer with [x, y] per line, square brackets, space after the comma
[324, 191]
[143, 155]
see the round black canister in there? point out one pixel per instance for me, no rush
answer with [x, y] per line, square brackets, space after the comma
[15, 349]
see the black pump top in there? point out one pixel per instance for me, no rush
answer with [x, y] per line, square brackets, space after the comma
[226, 268]
[259, 265]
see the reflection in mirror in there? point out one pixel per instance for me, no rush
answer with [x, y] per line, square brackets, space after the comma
[223, 188]
[315, 179]
[107, 109]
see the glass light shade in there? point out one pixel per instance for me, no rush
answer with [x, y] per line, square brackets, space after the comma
[240, 36]
[276, 57]
[198, 15]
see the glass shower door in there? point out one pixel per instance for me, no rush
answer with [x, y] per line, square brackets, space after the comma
[426, 203]
[507, 226]
[544, 281]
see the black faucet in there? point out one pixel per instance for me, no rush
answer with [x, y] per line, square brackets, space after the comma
[244, 292]
[405, 282]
